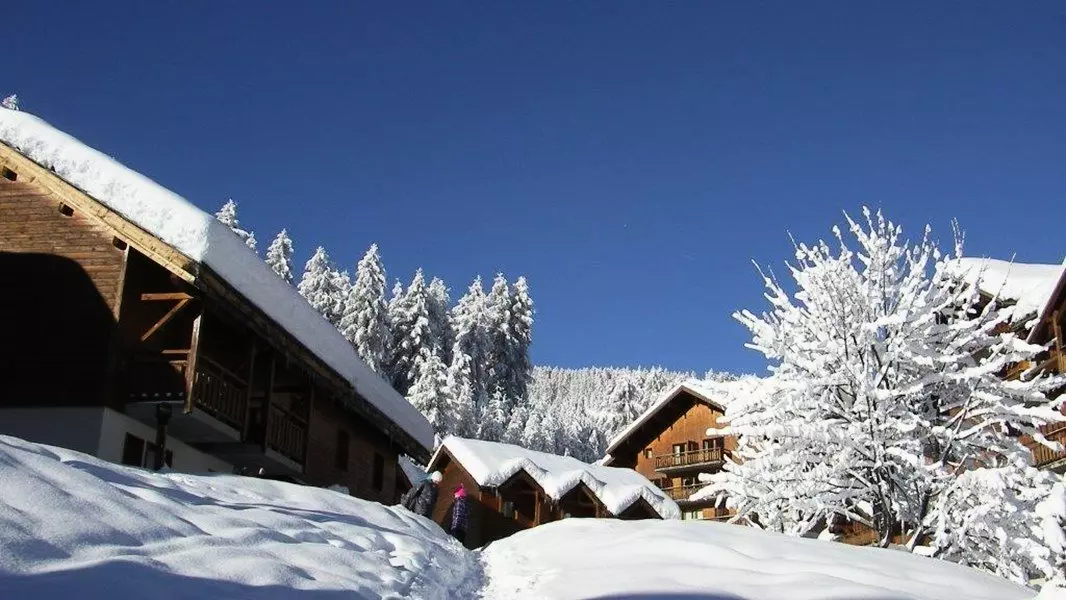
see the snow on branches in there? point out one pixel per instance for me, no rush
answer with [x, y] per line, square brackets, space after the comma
[886, 391]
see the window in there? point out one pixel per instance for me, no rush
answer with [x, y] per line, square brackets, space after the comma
[507, 509]
[647, 453]
[341, 459]
[379, 471]
[693, 515]
[678, 449]
[689, 481]
[139, 453]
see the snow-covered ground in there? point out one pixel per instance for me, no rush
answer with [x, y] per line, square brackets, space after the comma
[693, 560]
[72, 526]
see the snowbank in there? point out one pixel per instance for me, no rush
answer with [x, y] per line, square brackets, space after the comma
[492, 463]
[72, 526]
[1029, 286]
[693, 560]
[199, 236]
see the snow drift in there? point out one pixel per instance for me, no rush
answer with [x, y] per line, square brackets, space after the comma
[692, 560]
[72, 526]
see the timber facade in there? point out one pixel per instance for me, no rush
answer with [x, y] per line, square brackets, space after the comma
[1048, 331]
[108, 327]
[673, 444]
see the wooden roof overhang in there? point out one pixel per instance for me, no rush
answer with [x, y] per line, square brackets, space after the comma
[217, 291]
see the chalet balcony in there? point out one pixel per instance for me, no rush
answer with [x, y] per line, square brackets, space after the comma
[681, 493]
[220, 397]
[1046, 457]
[691, 460]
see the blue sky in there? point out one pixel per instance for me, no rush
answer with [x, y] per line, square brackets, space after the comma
[630, 158]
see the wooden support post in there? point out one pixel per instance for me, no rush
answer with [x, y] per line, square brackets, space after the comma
[268, 402]
[190, 363]
[251, 387]
[1056, 328]
[536, 508]
[310, 413]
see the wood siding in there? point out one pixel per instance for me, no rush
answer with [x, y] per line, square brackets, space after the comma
[327, 418]
[61, 275]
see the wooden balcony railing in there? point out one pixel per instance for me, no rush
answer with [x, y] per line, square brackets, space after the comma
[706, 456]
[681, 493]
[220, 392]
[1042, 455]
[286, 434]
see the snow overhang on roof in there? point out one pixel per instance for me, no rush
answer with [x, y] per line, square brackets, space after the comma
[200, 237]
[1030, 287]
[493, 463]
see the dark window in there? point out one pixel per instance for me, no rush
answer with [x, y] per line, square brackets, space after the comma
[133, 451]
[507, 509]
[9, 174]
[647, 453]
[341, 459]
[379, 471]
[65, 210]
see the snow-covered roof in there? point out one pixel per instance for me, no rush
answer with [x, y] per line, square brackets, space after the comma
[716, 393]
[1029, 286]
[493, 463]
[199, 236]
[411, 471]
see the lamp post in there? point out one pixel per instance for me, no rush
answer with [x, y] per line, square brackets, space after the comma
[162, 417]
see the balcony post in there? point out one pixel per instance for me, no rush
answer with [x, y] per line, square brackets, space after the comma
[190, 363]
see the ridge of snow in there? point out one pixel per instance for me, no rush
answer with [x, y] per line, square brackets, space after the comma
[576, 559]
[73, 526]
[493, 463]
[1029, 286]
[716, 393]
[199, 236]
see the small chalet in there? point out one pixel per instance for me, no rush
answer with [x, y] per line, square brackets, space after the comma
[140, 330]
[1038, 294]
[677, 438]
[511, 488]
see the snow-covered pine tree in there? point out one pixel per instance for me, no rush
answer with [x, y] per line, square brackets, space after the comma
[429, 393]
[441, 331]
[461, 411]
[279, 256]
[516, 426]
[498, 325]
[624, 405]
[886, 383]
[470, 318]
[11, 102]
[536, 436]
[227, 215]
[409, 330]
[365, 322]
[520, 365]
[319, 285]
[493, 422]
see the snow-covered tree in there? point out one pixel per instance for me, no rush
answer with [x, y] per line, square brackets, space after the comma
[279, 256]
[409, 326]
[429, 393]
[471, 319]
[319, 285]
[498, 326]
[623, 407]
[227, 215]
[886, 385]
[516, 426]
[493, 420]
[520, 373]
[442, 334]
[462, 409]
[988, 519]
[11, 102]
[365, 322]
[536, 435]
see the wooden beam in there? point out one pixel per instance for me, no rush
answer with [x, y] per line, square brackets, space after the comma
[251, 386]
[269, 400]
[166, 296]
[190, 363]
[165, 319]
[536, 508]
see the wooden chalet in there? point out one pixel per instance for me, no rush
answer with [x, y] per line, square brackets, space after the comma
[511, 488]
[673, 442]
[1038, 294]
[120, 341]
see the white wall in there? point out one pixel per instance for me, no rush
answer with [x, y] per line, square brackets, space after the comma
[116, 425]
[100, 432]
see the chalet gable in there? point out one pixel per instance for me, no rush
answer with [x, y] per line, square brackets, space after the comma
[660, 416]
